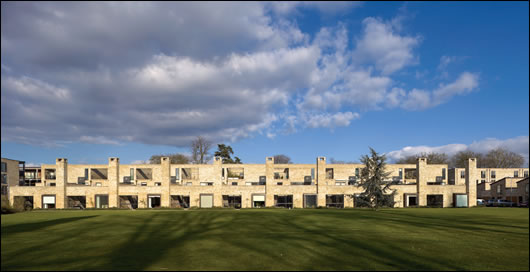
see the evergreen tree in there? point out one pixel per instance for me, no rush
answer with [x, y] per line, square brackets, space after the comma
[375, 182]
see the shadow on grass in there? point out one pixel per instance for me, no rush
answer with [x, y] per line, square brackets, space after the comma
[28, 227]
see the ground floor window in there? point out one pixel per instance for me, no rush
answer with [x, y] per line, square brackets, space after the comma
[180, 201]
[335, 201]
[410, 200]
[460, 200]
[153, 201]
[232, 201]
[284, 201]
[435, 200]
[206, 201]
[76, 202]
[48, 202]
[310, 201]
[102, 201]
[258, 201]
[129, 202]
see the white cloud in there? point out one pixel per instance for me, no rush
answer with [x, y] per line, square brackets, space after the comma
[339, 119]
[98, 140]
[382, 45]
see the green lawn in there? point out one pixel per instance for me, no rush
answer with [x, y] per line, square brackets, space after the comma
[267, 239]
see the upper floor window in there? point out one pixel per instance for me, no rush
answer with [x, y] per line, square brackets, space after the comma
[357, 172]
[400, 173]
[443, 173]
[281, 173]
[525, 174]
[4, 179]
[493, 174]
[462, 174]
[4, 167]
[49, 173]
[144, 173]
[329, 173]
[482, 174]
[98, 173]
[516, 174]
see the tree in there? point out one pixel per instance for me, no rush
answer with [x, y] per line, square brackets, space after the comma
[225, 151]
[200, 148]
[459, 159]
[375, 181]
[432, 158]
[503, 158]
[282, 159]
[173, 158]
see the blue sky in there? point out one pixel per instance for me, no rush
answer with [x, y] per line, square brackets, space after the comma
[88, 81]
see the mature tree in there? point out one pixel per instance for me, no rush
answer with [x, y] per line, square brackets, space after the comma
[173, 158]
[459, 159]
[225, 152]
[375, 181]
[432, 158]
[280, 159]
[503, 158]
[200, 150]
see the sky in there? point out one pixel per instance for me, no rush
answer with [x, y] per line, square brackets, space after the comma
[88, 81]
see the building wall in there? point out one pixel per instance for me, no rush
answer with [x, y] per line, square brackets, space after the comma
[67, 183]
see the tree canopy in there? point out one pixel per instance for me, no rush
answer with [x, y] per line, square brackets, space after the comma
[225, 152]
[200, 150]
[375, 182]
[432, 158]
[173, 158]
[282, 159]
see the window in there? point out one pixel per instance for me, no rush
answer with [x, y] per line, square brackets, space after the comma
[312, 173]
[4, 167]
[132, 173]
[235, 173]
[462, 174]
[232, 201]
[49, 173]
[144, 184]
[144, 173]
[284, 201]
[177, 172]
[189, 173]
[153, 201]
[86, 173]
[335, 201]
[98, 173]
[234, 183]
[51, 184]
[329, 173]
[498, 189]
[4, 190]
[400, 173]
[180, 201]
[279, 183]
[525, 174]
[4, 178]
[48, 201]
[281, 173]
[262, 180]
[357, 172]
[102, 201]
[410, 173]
[443, 173]
[493, 174]
[483, 181]
[482, 174]
[515, 174]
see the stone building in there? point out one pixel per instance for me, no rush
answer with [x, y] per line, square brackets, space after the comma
[64, 185]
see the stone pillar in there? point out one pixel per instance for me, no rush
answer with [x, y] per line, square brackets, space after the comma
[113, 179]
[471, 181]
[421, 181]
[269, 184]
[61, 178]
[320, 180]
[165, 175]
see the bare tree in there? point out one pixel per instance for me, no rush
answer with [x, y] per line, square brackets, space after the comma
[200, 150]
[432, 158]
[459, 159]
[503, 158]
[279, 159]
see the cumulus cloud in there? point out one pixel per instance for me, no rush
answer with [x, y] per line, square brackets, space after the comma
[519, 145]
[162, 73]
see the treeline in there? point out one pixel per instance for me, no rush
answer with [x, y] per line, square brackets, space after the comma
[495, 158]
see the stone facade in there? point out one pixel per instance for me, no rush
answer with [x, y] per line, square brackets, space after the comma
[154, 185]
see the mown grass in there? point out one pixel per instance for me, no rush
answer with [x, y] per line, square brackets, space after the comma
[267, 239]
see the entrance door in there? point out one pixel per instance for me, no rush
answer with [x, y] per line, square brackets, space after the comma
[258, 201]
[206, 201]
[412, 200]
[154, 201]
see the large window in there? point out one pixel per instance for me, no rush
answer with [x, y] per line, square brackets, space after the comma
[49, 173]
[144, 173]
[4, 167]
[98, 173]
[180, 201]
[310, 201]
[435, 200]
[285, 201]
[258, 201]
[335, 201]
[281, 173]
[232, 201]
[329, 173]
